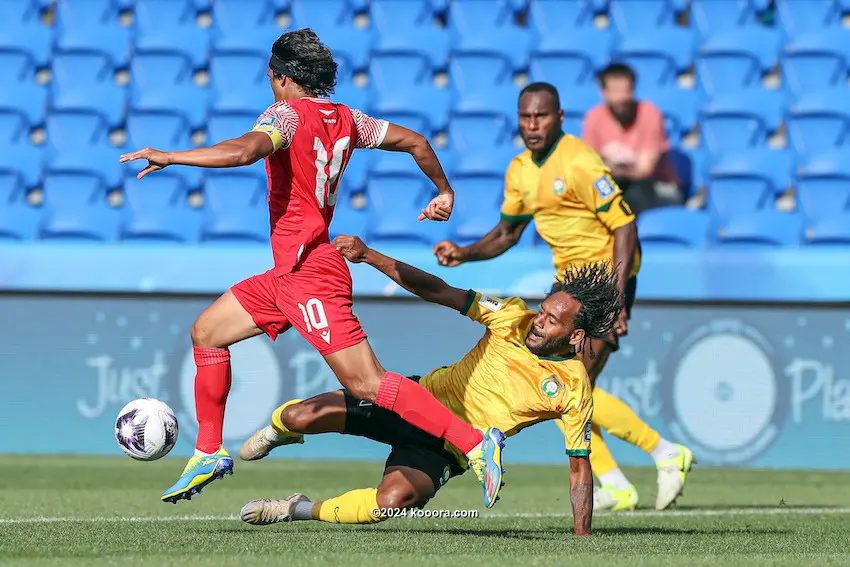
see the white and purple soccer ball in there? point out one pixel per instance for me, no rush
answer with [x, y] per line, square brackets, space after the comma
[146, 429]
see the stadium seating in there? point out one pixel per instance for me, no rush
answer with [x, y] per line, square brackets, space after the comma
[762, 229]
[673, 227]
[450, 69]
[833, 230]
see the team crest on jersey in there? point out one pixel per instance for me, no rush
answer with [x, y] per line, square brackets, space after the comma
[587, 432]
[551, 386]
[559, 186]
[604, 187]
[489, 303]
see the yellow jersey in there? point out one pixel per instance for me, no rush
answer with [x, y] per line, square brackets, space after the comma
[500, 383]
[573, 200]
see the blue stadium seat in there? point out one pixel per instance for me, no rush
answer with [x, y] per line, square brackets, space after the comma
[642, 15]
[409, 27]
[356, 172]
[394, 205]
[484, 84]
[731, 196]
[811, 16]
[657, 55]
[823, 196]
[156, 210]
[558, 18]
[575, 102]
[483, 144]
[475, 24]
[332, 20]
[18, 221]
[673, 228]
[773, 169]
[347, 219]
[169, 26]
[404, 86]
[819, 120]
[77, 144]
[477, 211]
[717, 72]
[161, 131]
[162, 82]
[740, 119]
[401, 164]
[578, 53]
[92, 25]
[352, 96]
[75, 208]
[690, 165]
[245, 25]
[26, 99]
[680, 108]
[226, 126]
[568, 68]
[19, 157]
[711, 16]
[27, 34]
[240, 83]
[84, 81]
[805, 72]
[730, 55]
[761, 229]
[17, 66]
[832, 230]
[824, 164]
[235, 209]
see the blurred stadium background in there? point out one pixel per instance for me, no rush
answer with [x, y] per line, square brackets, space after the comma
[737, 343]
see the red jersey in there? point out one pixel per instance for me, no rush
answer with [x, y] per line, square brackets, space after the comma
[313, 140]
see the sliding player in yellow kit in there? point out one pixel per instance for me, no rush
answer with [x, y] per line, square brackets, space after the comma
[563, 185]
[524, 370]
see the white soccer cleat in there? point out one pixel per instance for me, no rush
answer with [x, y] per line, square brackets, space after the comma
[264, 511]
[259, 445]
[672, 475]
[606, 497]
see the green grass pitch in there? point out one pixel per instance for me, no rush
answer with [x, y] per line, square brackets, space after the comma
[75, 511]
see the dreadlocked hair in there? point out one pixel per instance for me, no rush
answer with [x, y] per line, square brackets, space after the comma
[301, 56]
[595, 287]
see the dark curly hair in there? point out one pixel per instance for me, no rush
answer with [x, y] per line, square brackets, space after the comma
[595, 287]
[301, 56]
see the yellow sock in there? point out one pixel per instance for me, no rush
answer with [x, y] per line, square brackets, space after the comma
[621, 421]
[277, 424]
[355, 507]
[601, 460]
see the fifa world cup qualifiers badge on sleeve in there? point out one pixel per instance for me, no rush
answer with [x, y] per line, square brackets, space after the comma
[420, 513]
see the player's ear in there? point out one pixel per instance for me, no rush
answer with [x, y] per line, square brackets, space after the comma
[577, 337]
[560, 115]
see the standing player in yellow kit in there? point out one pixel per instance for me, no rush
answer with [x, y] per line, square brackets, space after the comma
[563, 185]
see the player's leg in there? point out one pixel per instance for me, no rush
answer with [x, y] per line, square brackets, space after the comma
[320, 294]
[245, 311]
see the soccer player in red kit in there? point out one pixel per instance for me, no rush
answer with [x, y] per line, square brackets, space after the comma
[307, 141]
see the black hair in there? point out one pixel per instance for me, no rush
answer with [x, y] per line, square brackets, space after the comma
[301, 56]
[616, 70]
[595, 287]
[543, 88]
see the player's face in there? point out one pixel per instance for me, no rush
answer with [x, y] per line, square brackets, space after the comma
[277, 86]
[539, 121]
[553, 331]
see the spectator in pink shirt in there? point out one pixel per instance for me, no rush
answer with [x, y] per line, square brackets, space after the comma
[630, 137]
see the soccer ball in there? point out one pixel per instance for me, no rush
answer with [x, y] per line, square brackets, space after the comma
[146, 429]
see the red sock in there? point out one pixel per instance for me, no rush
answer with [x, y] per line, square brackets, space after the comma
[212, 384]
[418, 407]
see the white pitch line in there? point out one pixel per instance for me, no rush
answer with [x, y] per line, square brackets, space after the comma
[694, 513]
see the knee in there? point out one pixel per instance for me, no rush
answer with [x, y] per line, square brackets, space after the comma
[364, 386]
[201, 334]
[398, 496]
[297, 417]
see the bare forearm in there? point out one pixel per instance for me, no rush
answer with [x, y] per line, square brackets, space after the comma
[625, 244]
[427, 161]
[225, 154]
[581, 495]
[425, 285]
[496, 242]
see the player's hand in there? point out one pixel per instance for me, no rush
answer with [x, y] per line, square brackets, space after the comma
[156, 160]
[621, 327]
[449, 254]
[440, 208]
[351, 247]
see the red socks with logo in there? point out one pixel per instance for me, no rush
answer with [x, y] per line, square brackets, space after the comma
[212, 384]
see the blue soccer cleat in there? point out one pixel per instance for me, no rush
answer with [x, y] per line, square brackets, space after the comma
[486, 462]
[199, 472]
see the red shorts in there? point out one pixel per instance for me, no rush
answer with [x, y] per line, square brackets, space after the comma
[315, 298]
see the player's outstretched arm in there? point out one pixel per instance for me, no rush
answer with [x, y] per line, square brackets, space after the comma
[581, 494]
[401, 139]
[235, 152]
[427, 286]
[496, 242]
